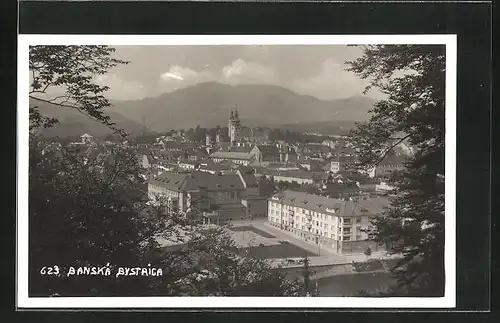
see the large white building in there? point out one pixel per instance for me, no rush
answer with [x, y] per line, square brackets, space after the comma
[333, 223]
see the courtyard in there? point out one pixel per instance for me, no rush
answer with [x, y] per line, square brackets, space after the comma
[261, 244]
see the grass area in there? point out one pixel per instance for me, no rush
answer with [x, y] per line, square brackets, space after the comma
[254, 230]
[283, 250]
[370, 265]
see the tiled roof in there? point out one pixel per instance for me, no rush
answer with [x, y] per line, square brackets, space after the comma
[268, 149]
[232, 155]
[207, 181]
[188, 162]
[282, 165]
[392, 160]
[197, 180]
[317, 203]
[343, 159]
[170, 180]
[244, 149]
[293, 174]
[247, 175]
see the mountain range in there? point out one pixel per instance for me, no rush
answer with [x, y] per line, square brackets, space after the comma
[209, 104]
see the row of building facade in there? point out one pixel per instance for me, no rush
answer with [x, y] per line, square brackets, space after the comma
[339, 225]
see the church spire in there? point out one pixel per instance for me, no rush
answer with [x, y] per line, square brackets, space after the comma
[236, 114]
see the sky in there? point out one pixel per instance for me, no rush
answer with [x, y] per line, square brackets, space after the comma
[315, 70]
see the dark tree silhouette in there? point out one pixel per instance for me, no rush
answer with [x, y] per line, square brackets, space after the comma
[413, 79]
[70, 71]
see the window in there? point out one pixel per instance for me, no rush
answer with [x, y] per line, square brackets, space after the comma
[358, 220]
[316, 222]
[347, 221]
[346, 238]
[347, 230]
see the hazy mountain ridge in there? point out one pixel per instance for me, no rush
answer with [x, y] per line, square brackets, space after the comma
[73, 123]
[209, 104]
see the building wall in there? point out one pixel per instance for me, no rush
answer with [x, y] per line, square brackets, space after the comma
[330, 230]
[187, 166]
[256, 153]
[257, 208]
[301, 181]
[225, 197]
[244, 162]
[155, 190]
[173, 197]
[349, 247]
[334, 167]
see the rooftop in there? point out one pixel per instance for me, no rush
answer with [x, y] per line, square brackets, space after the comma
[232, 155]
[317, 203]
[198, 181]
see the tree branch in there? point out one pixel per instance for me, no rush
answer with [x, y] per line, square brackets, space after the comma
[390, 148]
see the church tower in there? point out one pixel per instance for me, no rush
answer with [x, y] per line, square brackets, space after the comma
[234, 127]
[208, 139]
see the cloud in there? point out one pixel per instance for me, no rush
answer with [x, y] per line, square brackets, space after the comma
[179, 73]
[238, 72]
[332, 82]
[120, 89]
[247, 72]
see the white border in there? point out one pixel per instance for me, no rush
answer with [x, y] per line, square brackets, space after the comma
[24, 301]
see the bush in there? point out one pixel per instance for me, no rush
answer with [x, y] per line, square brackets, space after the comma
[371, 265]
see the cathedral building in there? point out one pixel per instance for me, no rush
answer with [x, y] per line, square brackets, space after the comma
[234, 128]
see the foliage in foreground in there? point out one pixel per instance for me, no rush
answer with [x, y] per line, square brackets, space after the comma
[87, 209]
[413, 79]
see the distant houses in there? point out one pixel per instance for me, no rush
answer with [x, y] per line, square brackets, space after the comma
[243, 155]
[298, 176]
[388, 166]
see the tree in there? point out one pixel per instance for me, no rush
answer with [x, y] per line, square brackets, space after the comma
[86, 209]
[83, 211]
[412, 77]
[368, 252]
[266, 187]
[307, 288]
[70, 72]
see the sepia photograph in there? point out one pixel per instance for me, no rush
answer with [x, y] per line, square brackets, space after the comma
[272, 171]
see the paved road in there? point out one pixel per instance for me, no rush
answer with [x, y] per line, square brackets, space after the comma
[325, 257]
[287, 236]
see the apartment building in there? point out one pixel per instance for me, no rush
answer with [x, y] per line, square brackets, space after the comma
[333, 223]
